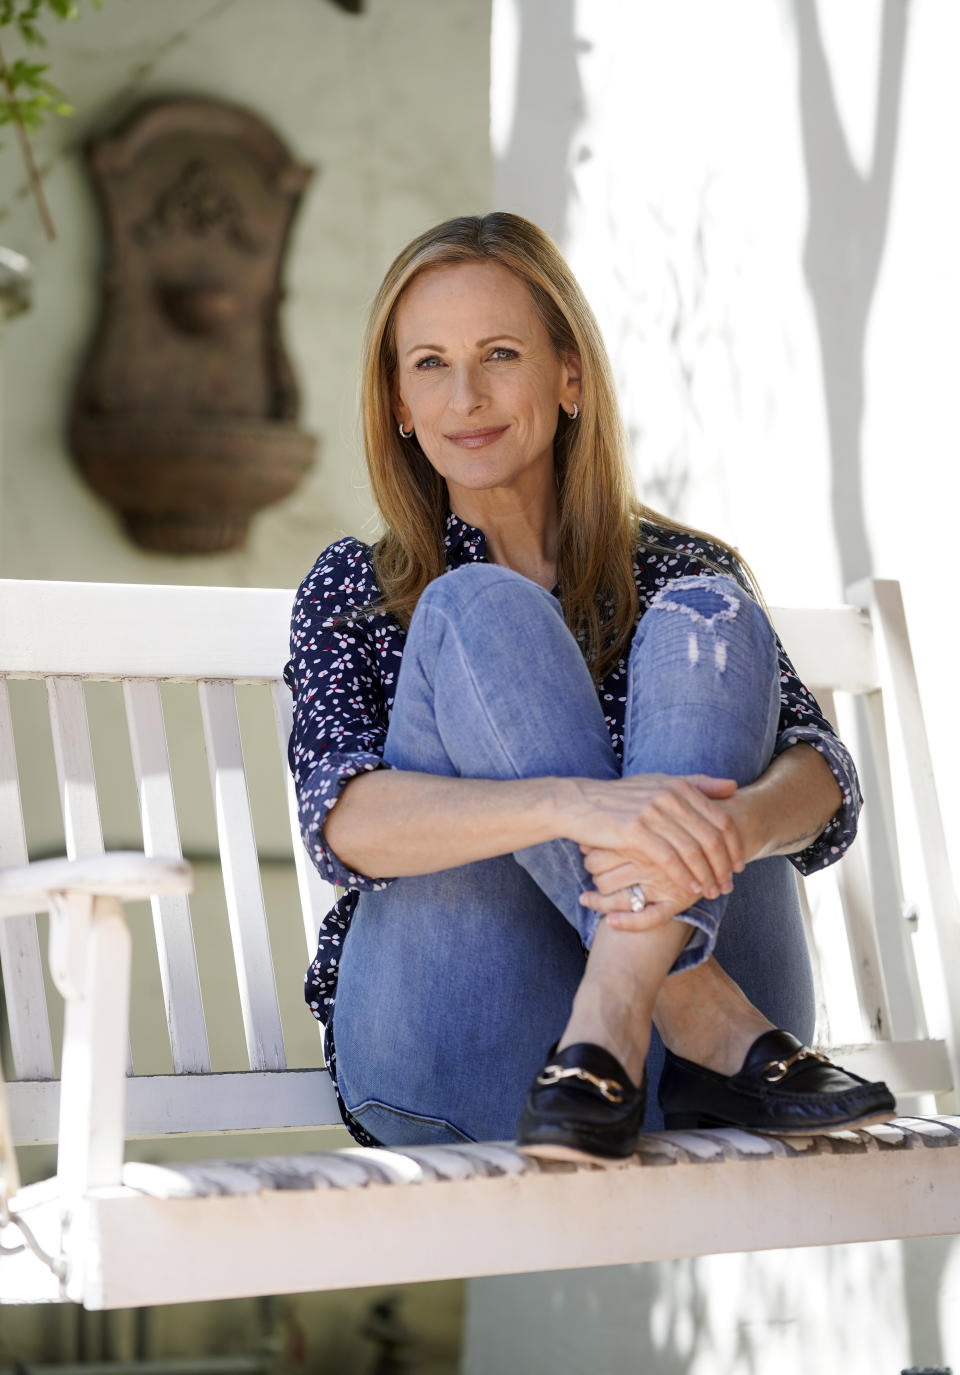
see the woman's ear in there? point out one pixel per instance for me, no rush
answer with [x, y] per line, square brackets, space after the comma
[570, 393]
[401, 411]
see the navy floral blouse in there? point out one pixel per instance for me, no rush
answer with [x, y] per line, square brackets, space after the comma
[343, 675]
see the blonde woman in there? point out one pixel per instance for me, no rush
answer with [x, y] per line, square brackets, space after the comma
[546, 739]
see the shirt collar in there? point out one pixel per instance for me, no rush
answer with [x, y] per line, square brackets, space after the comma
[463, 543]
[467, 544]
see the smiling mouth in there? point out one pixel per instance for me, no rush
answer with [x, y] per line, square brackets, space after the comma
[476, 439]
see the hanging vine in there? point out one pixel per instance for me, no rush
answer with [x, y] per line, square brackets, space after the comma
[27, 95]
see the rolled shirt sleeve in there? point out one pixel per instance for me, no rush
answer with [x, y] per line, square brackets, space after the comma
[340, 706]
[803, 723]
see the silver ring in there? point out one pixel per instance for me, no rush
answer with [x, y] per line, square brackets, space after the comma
[638, 898]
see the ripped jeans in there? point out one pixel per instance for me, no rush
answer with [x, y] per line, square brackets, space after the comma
[454, 985]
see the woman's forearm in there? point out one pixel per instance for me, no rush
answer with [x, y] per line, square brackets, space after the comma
[396, 822]
[788, 806]
[392, 822]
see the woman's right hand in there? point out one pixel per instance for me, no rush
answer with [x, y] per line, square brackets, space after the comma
[668, 833]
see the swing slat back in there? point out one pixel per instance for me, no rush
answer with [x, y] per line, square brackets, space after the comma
[215, 640]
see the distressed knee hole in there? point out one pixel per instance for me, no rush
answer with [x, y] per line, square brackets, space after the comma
[707, 602]
[705, 599]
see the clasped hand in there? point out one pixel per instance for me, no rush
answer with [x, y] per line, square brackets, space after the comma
[672, 835]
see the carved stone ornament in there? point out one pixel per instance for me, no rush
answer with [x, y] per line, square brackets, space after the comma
[184, 416]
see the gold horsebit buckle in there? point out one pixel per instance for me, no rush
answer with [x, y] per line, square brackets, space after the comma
[610, 1088]
[777, 1069]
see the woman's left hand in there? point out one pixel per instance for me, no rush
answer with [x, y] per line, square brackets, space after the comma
[614, 876]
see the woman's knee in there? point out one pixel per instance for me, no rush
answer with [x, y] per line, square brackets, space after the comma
[458, 590]
[715, 603]
[704, 685]
[715, 622]
[491, 614]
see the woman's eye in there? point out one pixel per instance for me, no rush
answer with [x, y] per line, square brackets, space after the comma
[504, 352]
[426, 364]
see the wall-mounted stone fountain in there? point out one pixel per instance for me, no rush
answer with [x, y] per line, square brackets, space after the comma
[185, 413]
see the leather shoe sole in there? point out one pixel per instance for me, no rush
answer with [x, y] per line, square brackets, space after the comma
[782, 1089]
[582, 1107]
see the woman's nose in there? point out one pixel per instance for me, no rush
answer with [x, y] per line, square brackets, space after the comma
[468, 391]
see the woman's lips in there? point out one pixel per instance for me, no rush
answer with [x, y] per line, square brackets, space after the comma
[475, 439]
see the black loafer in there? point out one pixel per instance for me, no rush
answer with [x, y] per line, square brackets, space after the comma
[783, 1088]
[582, 1106]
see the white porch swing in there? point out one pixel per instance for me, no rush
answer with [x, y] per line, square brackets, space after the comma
[108, 1234]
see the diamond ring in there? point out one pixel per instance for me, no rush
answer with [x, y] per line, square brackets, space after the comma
[638, 898]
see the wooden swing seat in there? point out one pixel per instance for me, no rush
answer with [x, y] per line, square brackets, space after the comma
[109, 1233]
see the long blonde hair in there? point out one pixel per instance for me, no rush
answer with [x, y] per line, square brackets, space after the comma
[601, 521]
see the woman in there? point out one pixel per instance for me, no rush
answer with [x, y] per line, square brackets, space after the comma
[592, 751]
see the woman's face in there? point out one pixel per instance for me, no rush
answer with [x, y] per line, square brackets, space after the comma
[478, 379]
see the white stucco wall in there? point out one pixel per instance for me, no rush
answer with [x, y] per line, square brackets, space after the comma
[391, 108]
[756, 199]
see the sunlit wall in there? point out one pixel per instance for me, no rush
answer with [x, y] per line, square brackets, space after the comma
[758, 201]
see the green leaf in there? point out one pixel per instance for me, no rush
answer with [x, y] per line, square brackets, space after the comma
[31, 35]
[21, 73]
[27, 93]
[31, 112]
[24, 14]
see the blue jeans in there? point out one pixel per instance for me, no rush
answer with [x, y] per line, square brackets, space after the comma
[454, 985]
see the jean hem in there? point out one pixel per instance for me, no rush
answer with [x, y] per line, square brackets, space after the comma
[700, 946]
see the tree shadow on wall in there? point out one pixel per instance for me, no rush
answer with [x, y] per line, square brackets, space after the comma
[534, 175]
[848, 219]
[847, 227]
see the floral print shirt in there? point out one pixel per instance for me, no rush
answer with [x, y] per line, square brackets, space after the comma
[343, 674]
